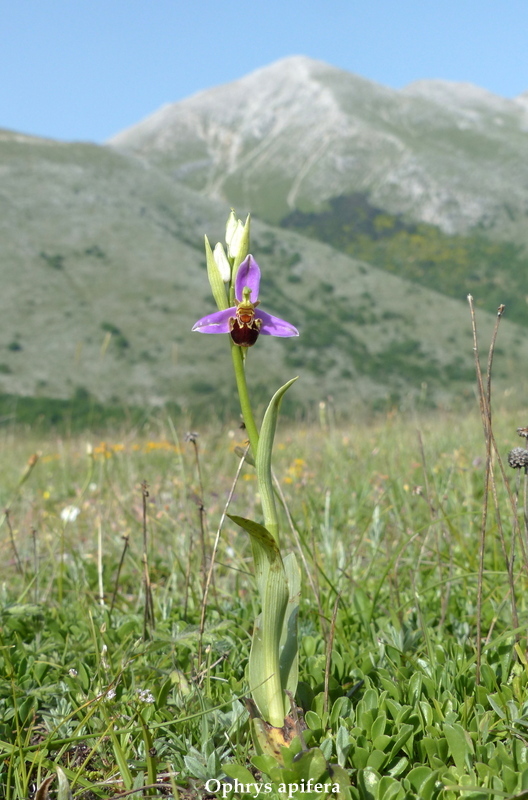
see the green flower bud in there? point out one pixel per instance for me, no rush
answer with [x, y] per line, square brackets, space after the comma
[216, 280]
[222, 263]
[237, 238]
[231, 226]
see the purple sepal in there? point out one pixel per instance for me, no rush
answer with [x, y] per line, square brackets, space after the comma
[218, 322]
[248, 275]
[274, 326]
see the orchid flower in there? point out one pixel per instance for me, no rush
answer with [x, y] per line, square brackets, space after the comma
[244, 321]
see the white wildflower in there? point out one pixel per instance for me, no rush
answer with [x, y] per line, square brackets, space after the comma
[145, 696]
[70, 513]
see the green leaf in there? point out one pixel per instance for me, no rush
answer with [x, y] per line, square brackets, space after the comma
[418, 776]
[264, 763]
[289, 651]
[340, 776]
[342, 745]
[263, 460]
[239, 773]
[265, 549]
[390, 789]
[377, 759]
[368, 783]
[378, 726]
[258, 532]
[64, 791]
[400, 766]
[404, 735]
[243, 452]
[459, 745]
[313, 721]
[196, 768]
[265, 679]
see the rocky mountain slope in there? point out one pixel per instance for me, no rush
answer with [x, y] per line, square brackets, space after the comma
[299, 132]
[102, 264]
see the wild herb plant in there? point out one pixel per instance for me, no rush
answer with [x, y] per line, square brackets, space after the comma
[273, 663]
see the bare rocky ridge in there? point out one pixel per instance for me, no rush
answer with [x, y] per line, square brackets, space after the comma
[298, 132]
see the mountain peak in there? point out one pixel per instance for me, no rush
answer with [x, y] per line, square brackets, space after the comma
[457, 95]
[299, 132]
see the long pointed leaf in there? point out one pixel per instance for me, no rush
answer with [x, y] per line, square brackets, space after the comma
[264, 664]
[64, 791]
[265, 548]
[263, 460]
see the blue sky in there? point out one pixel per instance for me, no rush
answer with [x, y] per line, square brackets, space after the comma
[86, 69]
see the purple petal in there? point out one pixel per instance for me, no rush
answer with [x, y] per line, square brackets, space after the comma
[248, 275]
[218, 322]
[274, 326]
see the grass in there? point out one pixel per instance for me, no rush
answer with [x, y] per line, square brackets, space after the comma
[109, 672]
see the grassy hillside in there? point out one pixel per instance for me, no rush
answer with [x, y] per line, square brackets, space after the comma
[455, 265]
[103, 276]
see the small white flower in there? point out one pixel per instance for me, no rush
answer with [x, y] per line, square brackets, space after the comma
[72, 673]
[145, 696]
[70, 513]
[110, 694]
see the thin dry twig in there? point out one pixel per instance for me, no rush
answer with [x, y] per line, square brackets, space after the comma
[330, 645]
[192, 437]
[125, 538]
[484, 520]
[148, 619]
[100, 583]
[34, 535]
[484, 392]
[215, 548]
[18, 562]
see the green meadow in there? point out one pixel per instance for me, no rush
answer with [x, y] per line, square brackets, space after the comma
[128, 601]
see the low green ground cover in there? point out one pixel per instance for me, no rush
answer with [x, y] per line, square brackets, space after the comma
[115, 669]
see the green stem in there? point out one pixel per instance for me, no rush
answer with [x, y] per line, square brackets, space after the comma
[243, 394]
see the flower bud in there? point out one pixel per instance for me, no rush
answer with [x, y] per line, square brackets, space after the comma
[216, 278]
[224, 267]
[237, 238]
[231, 227]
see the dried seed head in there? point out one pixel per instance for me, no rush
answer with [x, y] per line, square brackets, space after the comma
[191, 436]
[523, 432]
[518, 457]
